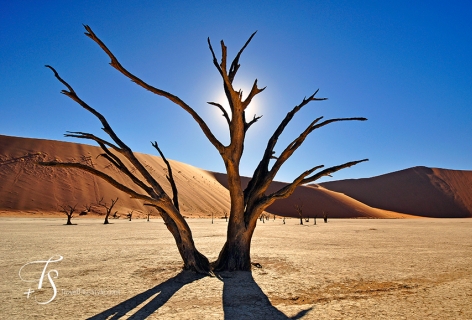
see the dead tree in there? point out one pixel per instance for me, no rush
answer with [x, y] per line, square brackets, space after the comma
[130, 215]
[325, 217]
[69, 211]
[108, 208]
[149, 214]
[87, 209]
[299, 208]
[246, 204]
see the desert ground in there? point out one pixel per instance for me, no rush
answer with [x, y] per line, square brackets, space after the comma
[343, 269]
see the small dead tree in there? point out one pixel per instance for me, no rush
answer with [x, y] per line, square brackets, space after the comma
[149, 214]
[325, 217]
[226, 216]
[69, 211]
[246, 203]
[130, 215]
[87, 209]
[299, 208]
[108, 208]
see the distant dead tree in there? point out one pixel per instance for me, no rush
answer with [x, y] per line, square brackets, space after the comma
[87, 209]
[149, 214]
[226, 216]
[262, 218]
[299, 208]
[69, 211]
[108, 208]
[130, 215]
[325, 217]
[246, 203]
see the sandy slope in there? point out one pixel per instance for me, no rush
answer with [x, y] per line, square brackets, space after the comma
[26, 186]
[419, 191]
[316, 201]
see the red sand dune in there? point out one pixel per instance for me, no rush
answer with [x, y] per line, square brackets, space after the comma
[316, 201]
[421, 191]
[27, 187]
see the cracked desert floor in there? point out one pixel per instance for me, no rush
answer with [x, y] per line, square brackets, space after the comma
[343, 269]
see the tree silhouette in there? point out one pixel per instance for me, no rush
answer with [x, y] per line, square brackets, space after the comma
[108, 208]
[246, 204]
[69, 212]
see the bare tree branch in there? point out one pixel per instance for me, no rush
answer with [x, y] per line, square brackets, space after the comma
[254, 91]
[250, 123]
[102, 175]
[329, 171]
[215, 60]
[225, 113]
[116, 64]
[123, 148]
[295, 144]
[235, 64]
[170, 177]
[259, 180]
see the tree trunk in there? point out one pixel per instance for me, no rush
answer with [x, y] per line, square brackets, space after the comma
[106, 219]
[192, 258]
[236, 253]
[68, 220]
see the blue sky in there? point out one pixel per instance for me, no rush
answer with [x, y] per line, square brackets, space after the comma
[405, 65]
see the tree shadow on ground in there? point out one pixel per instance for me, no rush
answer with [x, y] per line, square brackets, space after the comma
[244, 299]
[162, 293]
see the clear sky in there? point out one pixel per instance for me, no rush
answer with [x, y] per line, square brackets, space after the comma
[404, 65]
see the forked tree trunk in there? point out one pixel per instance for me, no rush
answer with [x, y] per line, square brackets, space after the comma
[236, 253]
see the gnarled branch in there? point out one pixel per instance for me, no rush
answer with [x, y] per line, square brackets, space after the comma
[259, 179]
[254, 91]
[235, 64]
[175, 99]
[103, 176]
[225, 113]
[170, 177]
[123, 148]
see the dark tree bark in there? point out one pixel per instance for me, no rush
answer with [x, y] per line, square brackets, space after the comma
[69, 211]
[108, 208]
[246, 205]
[299, 208]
